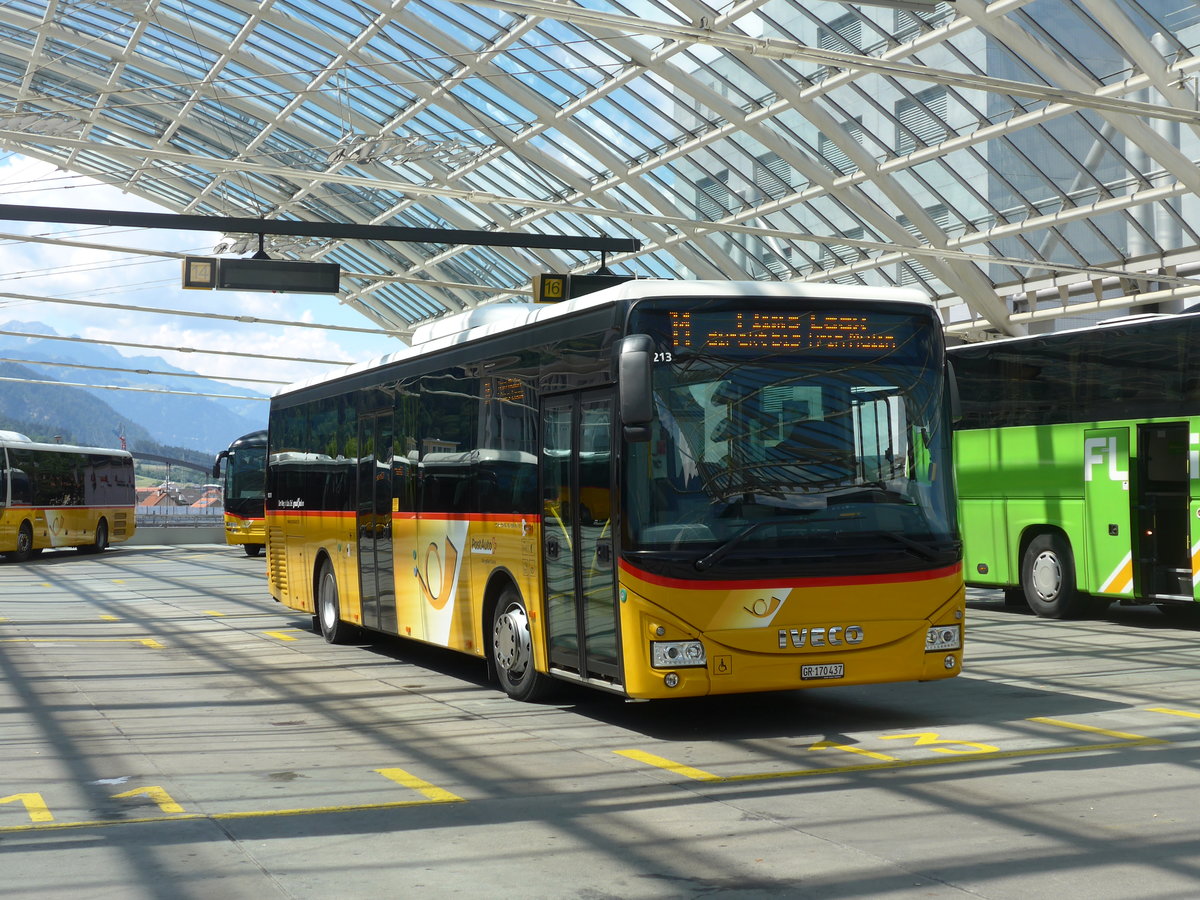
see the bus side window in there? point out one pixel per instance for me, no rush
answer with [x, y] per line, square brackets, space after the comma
[338, 491]
[22, 484]
[466, 495]
[524, 494]
[22, 488]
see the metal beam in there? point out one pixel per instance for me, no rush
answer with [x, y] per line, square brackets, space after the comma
[337, 230]
[171, 461]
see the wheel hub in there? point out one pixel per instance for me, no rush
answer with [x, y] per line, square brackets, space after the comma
[511, 642]
[1047, 576]
[327, 604]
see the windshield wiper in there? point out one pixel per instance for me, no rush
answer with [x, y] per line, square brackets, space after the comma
[869, 493]
[711, 559]
[919, 548]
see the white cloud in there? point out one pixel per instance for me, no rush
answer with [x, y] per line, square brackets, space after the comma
[105, 276]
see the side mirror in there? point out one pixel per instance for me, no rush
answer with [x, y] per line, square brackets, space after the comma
[634, 354]
[217, 465]
[952, 387]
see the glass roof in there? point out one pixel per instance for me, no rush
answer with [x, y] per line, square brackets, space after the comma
[1020, 161]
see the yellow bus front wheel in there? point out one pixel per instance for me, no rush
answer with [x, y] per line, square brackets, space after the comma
[512, 649]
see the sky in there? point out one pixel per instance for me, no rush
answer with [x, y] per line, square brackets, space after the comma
[121, 277]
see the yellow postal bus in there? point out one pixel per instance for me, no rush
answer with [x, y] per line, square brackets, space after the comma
[245, 474]
[664, 489]
[56, 495]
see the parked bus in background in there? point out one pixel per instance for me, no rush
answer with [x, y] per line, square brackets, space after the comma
[662, 489]
[1076, 458]
[57, 495]
[245, 477]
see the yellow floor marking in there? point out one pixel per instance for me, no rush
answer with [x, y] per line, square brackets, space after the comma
[155, 793]
[145, 642]
[1104, 731]
[939, 744]
[1173, 712]
[224, 817]
[110, 618]
[34, 805]
[830, 745]
[359, 807]
[408, 780]
[213, 612]
[701, 775]
[279, 635]
[118, 581]
[677, 768]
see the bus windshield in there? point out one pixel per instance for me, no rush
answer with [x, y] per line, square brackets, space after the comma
[782, 442]
[247, 473]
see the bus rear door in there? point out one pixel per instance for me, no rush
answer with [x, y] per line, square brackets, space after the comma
[374, 524]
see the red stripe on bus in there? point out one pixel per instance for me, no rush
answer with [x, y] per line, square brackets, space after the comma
[116, 506]
[469, 517]
[437, 517]
[765, 583]
[311, 513]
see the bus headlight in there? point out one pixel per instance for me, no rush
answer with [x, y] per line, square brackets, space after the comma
[677, 654]
[943, 637]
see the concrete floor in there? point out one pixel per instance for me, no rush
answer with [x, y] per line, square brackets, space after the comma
[167, 731]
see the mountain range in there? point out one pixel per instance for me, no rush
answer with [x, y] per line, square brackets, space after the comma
[96, 416]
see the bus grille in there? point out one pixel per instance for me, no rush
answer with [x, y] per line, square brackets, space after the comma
[277, 560]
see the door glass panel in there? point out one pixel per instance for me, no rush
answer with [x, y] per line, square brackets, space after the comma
[595, 536]
[557, 544]
[384, 577]
[366, 519]
[1165, 554]
[375, 522]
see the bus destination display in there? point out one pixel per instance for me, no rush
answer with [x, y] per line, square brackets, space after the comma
[783, 331]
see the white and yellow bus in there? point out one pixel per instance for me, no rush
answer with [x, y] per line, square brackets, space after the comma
[57, 495]
[664, 489]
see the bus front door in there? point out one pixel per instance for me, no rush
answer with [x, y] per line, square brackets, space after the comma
[374, 522]
[1164, 555]
[578, 562]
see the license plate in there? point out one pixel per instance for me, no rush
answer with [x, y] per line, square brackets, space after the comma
[823, 670]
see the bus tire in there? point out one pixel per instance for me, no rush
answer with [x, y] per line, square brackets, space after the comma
[24, 550]
[101, 536]
[1048, 578]
[100, 542]
[252, 549]
[334, 630]
[512, 649]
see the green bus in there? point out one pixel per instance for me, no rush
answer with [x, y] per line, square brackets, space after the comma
[1077, 459]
